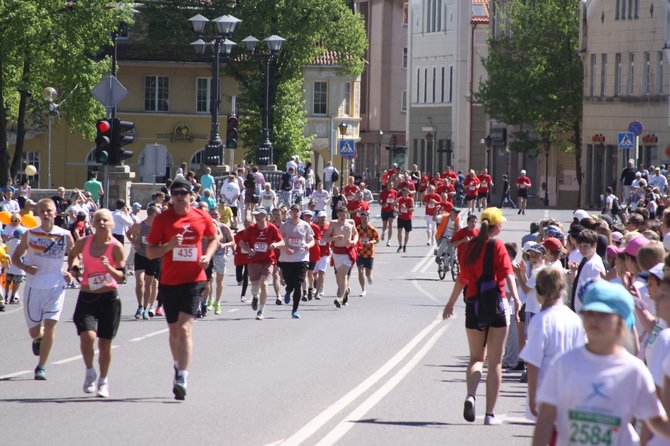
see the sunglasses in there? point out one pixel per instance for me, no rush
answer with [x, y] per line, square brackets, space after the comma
[180, 193]
[16, 221]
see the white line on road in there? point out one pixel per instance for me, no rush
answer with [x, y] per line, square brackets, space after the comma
[348, 422]
[233, 310]
[75, 358]
[426, 257]
[149, 335]
[424, 292]
[15, 374]
[329, 413]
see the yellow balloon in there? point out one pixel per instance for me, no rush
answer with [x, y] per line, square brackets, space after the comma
[5, 217]
[30, 170]
[29, 221]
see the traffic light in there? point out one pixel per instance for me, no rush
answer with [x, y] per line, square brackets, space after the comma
[231, 132]
[123, 133]
[214, 154]
[103, 141]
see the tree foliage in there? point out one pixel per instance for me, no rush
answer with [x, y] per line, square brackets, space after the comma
[58, 44]
[535, 74]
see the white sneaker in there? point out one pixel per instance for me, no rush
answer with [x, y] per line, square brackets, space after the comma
[491, 420]
[364, 293]
[103, 390]
[388, 243]
[89, 382]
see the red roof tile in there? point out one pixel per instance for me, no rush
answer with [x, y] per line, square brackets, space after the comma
[480, 11]
[327, 57]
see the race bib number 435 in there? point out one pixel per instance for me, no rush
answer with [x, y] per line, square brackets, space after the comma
[185, 253]
[588, 428]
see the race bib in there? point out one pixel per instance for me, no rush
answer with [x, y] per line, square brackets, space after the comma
[483, 184]
[390, 200]
[261, 247]
[472, 187]
[363, 240]
[322, 242]
[593, 428]
[185, 253]
[144, 240]
[101, 280]
[431, 205]
[350, 197]
[403, 209]
[295, 242]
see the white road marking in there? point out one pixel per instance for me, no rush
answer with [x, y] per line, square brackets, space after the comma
[149, 335]
[348, 422]
[424, 292]
[233, 310]
[15, 374]
[76, 358]
[426, 258]
[329, 413]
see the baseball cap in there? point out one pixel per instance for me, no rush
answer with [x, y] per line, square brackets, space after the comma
[523, 172]
[528, 245]
[552, 244]
[554, 231]
[260, 210]
[18, 232]
[581, 214]
[29, 201]
[656, 270]
[493, 215]
[295, 206]
[617, 236]
[308, 213]
[612, 298]
[181, 183]
[137, 206]
[321, 214]
[537, 247]
[633, 246]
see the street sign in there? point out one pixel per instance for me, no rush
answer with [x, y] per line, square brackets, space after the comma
[636, 127]
[626, 140]
[347, 148]
[109, 91]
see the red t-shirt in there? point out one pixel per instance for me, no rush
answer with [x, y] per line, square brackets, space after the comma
[440, 187]
[239, 258]
[315, 251]
[470, 274]
[362, 206]
[484, 183]
[460, 235]
[182, 265]
[523, 182]
[350, 191]
[471, 186]
[406, 184]
[352, 205]
[387, 198]
[324, 247]
[423, 183]
[408, 205]
[260, 240]
[431, 207]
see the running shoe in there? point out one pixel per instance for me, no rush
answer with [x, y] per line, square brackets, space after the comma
[145, 315]
[217, 309]
[40, 373]
[210, 305]
[310, 294]
[2, 306]
[151, 311]
[469, 409]
[295, 315]
[364, 293]
[318, 296]
[259, 316]
[427, 243]
[524, 378]
[279, 302]
[388, 243]
[304, 296]
[287, 297]
[254, 303]
[37, 342]
[404, 249]
[345, 299]
[103, 390]
[203, 310]
[399, 248]
[159, 311]
[179, 388]
[337, 303]
[89, 381]
[138, 313]
[519, 213]
[491, 420]
[243, 299]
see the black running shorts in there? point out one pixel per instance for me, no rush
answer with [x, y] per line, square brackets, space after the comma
[472, 322]
[99, 312]
[183, 298]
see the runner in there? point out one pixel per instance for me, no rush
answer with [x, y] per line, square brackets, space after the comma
[405, 207]
[343, 238]
[485, 185]
[522, 185]
[241, 260]
[298, 237]
[219, 261]
[387, 199]
[324, 255]
[260, 240]
[314, 256]
[432, 201]
[98, 309]
[320, 197]
[176, 235]
[368, 237]
[471, 185]
[44, 248]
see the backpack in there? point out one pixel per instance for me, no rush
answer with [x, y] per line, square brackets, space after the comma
[616, 207]
[285, 182]
[335, 176]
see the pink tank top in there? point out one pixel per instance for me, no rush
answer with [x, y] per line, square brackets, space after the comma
[96, 275]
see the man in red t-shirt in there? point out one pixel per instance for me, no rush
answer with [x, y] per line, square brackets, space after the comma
[177, 236]
[405, 207]
[462, 236]
[432, 200]
[309, 287]
[350, 189]
[471, 184]
[260, 241]
[405, 183]
[522, 185]
[324, 255]
[485, 184]
[387, 199]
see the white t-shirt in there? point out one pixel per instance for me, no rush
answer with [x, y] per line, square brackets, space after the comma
[11, 247]
[592, 269]
[295, 236]
[659, 181]
[574, 256]
[320, 199]
[268, 199]
[230, 191]
[298, 184]
[532, 304]
[328, 173]
[659, 351]
[596, 397]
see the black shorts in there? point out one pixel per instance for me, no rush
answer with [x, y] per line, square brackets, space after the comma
[234, 209]
[16, 278]
[120, 238]
[388, 215]
[472, 322]
[150, 267]
[483, 195]
[405, 224]
[365, 262]
[99, 312]
[311, 265]
[523, 193]
[180, 299]
[209, 271]
[470, 197]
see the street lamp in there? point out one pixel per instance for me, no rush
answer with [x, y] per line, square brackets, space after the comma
[221, 47]
[342, 127]
[488, 142]
[264, 154]
[380, 137]
[50, 94]
[546, 173]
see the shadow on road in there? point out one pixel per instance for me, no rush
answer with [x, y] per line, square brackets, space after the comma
[403, 423]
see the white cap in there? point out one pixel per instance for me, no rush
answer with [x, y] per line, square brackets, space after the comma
[528, 245]
[523, 172]
[581, 214]
[321, 214]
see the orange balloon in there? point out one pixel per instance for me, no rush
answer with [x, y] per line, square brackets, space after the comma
[29, 221]
[5, 217]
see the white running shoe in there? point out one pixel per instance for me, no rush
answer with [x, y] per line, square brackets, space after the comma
[491, 420]
[364, 293]
[103, 390]
[388, 243]
[89, 382]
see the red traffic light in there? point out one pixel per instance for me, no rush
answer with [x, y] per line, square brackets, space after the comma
[103, 126]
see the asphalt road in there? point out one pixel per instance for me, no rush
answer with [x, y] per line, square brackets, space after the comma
[384, 370]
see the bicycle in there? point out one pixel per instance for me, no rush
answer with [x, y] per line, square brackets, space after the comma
[448, 262]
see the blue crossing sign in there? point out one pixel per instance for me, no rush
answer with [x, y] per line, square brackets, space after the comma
[626, 140]
[347, 148]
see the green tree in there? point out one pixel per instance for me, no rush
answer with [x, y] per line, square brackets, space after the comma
[59, 44]
[535, 76]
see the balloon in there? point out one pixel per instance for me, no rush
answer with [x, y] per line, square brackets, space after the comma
[30, 170]
[30, 221]
[5, 217]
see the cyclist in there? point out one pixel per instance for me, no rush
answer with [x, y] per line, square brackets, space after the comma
[447, 225]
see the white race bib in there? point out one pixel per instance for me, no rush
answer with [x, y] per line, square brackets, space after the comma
[295, 242]
[472, 187]
[431, 205]
[403, 209]
[322, 242]
[185, 253]
[144, 239]
[101, 280]
[483, 184]
[390, 200]
[261, 247]
[363, 240]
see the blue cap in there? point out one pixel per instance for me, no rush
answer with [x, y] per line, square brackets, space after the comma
[18, 232]
[554, 231]
[611, 298]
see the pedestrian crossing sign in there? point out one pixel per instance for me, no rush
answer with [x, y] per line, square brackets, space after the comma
[347, 148]
[626, 140]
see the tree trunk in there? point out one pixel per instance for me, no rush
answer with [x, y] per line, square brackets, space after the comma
[4, 155]
[577, 128]
[21, 124]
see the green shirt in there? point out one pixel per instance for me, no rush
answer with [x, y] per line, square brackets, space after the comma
[94, 187]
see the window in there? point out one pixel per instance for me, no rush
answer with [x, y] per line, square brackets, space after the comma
[425, 85]
[438, 14]
[623, 10]
[617, 75]
[405, 14]
[404, 57]
[616, 10]
[156, 93]
[347, 99]
[418, 84]
[630, 9]
[592, 75]
[31, 158]
[631, 74]
[603, 74]
[637, 9]
[442, 86]
[434, 83]
[202, 94]
[659, 73]
[403, 100]
[451, 82]
[646, 69]
[320, 98]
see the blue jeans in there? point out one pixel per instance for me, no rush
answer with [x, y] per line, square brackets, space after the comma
[285, 197]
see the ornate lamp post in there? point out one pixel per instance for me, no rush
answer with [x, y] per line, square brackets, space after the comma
[342, 127]
[50, 94]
